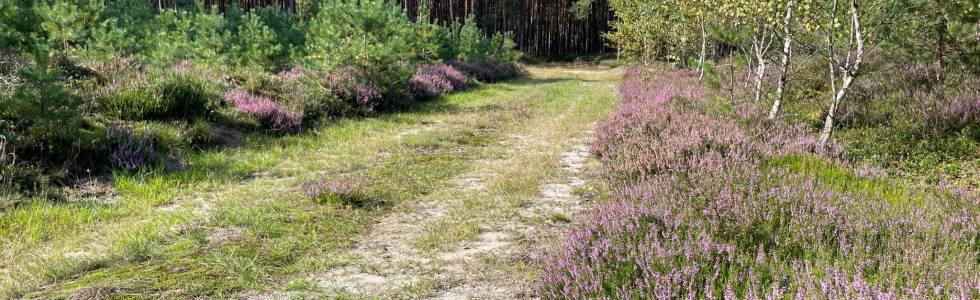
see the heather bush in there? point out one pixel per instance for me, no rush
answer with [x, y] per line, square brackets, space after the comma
[130, 103]
[707, 205]
[355, 88]
[183, 96]
[433, 80]
[127, 150]
[955, 113]
[272, 115]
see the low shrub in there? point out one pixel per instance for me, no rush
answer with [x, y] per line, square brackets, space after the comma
[184, 96]
[955, 113]
[176, 96]
[271, 114]
[433, 80]
[135, 102]
[488, 70]
[127, 150]
[356, 88]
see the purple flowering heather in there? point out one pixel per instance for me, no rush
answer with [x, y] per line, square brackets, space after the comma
[127, 150]
[270, 113]
[957, 112]
[713, 205]
[353, 86]
[433, 80]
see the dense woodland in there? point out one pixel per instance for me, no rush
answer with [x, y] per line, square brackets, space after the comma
[543, 28]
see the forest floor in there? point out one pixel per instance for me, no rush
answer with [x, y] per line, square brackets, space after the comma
[456, 197]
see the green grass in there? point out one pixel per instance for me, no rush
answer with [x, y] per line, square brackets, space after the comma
[898, 190]
[234, 220]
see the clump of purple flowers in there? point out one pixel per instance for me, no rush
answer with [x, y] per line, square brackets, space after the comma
[959, 111]
[127, 150]
[270, 113]
[704, 205]
[354, 87]
[433, 80]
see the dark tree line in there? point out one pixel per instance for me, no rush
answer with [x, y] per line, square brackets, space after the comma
[289, 5]
[546, 28]
[540, 27]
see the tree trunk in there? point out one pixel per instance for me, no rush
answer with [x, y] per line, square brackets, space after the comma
[941, 48]
[760, 72]
[704, 50]
[784, 62]
[850, 73]
[731, 77]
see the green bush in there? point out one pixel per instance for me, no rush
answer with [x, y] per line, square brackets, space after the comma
[19, 24]
[174, 97]
[42, 112]
[372, 35]
[465, 41]
[256, 44]
[184, 96]
[129, 103]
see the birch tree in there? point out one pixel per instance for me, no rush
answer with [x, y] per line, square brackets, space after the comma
[697, 14]
[757, 20]
[846, 68]
[785, 59]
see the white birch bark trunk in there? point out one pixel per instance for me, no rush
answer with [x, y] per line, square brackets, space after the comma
[760, 74]
[704, 52]
[850, 73]
[784, 62]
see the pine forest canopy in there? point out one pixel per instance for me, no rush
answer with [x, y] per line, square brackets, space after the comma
[549, 28]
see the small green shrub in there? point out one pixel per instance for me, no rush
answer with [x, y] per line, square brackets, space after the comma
[465, 41]
[257, 43]
[42, 112]
[129, 103]
[201, 134]
[372, 36]
[184, 96]
[174, 97]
